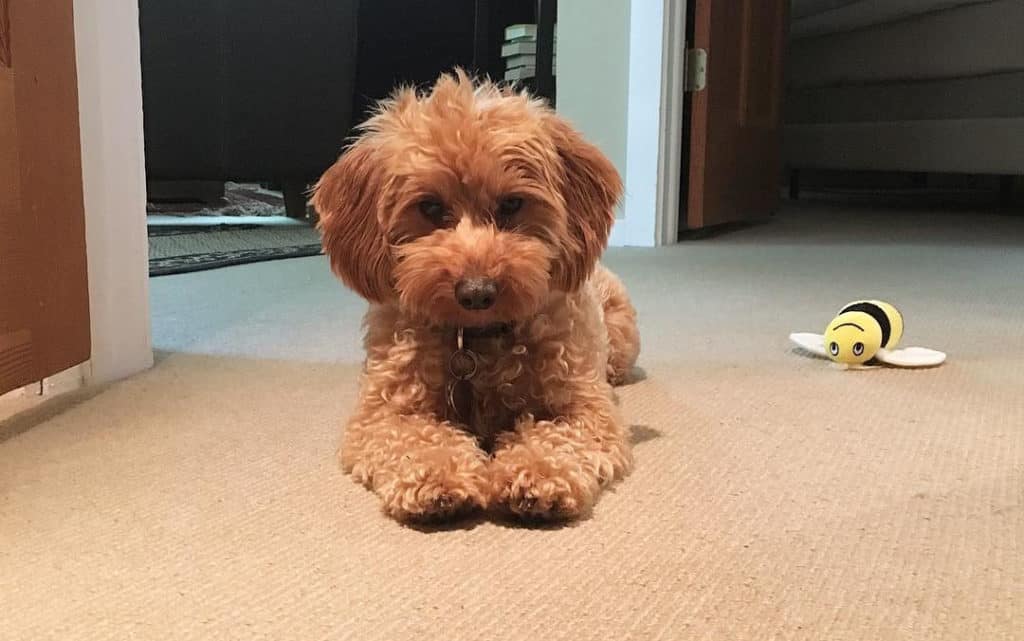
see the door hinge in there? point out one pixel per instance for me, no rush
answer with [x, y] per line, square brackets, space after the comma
[696, 69]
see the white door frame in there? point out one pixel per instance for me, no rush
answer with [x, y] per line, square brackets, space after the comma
[670, 143]
[654, 127]
[114, 187]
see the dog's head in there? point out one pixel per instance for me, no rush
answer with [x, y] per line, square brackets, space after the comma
[469, 204]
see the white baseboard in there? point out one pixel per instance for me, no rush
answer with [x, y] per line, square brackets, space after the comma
[35, 394]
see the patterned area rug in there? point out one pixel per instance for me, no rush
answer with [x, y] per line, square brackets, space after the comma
[177, 250]
[194, 245]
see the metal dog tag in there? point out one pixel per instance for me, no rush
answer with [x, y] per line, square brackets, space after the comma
[462, 366]
[463, 363]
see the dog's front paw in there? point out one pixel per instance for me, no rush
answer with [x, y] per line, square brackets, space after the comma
[436, 486]
[547, 487]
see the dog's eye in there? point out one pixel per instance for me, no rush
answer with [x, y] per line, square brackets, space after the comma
[509, 206]
[433, 210]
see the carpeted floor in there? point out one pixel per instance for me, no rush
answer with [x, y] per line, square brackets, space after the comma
[773, 498]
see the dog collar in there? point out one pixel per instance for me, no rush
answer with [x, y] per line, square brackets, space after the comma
[462, 366]
[493, 330]
[464, 363]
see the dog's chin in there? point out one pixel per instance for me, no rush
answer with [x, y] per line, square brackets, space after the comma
[481, 320]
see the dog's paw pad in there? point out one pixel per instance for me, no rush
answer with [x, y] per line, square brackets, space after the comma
[446, 505]
[530, 503]
[437, 507]
[443, 503]
[522, 504]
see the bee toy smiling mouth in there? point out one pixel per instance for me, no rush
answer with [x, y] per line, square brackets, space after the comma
[865, 333]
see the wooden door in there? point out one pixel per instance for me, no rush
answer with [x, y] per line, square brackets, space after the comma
[735, 128]
[44, 299]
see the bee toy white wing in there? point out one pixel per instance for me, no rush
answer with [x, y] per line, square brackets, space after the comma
[813, 343]
[911, 357]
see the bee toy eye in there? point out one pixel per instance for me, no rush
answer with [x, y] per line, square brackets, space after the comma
[833, 348]
[858, 349]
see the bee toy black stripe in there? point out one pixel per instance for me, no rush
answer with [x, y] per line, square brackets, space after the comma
[877, 313]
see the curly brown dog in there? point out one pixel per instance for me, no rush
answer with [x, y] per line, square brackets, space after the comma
[472, 218]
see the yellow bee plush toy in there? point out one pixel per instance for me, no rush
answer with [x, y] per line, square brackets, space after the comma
[866, 331]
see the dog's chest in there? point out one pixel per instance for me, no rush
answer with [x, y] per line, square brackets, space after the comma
[507, 380]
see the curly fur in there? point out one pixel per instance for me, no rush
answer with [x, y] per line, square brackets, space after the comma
[543, 434]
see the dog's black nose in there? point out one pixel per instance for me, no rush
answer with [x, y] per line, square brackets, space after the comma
[476, 293]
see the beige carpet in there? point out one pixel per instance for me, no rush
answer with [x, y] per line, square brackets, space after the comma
[774, 497]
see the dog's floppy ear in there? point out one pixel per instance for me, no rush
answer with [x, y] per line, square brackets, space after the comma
[346, 200]
[591, 189]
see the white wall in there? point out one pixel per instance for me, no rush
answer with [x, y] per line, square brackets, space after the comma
[114, 183]
[593, 72]
[613, 85]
